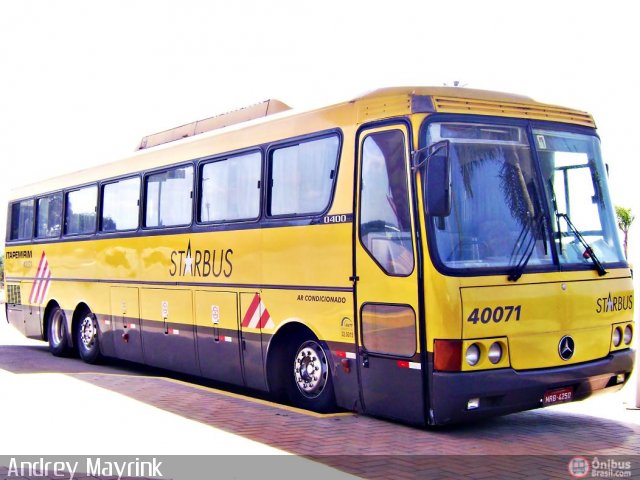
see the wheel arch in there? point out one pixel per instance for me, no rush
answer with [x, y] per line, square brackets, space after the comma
[286, 333]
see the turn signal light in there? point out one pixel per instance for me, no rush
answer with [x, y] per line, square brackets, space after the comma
[447, 355]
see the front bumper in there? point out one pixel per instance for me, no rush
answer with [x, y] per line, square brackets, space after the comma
[506, 390]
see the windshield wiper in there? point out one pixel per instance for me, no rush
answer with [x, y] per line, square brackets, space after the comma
[588, 251]
[528, 230]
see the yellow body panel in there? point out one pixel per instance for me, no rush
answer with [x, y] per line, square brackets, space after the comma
[216, 309]
[535, 316]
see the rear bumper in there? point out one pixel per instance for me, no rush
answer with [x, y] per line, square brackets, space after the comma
[506, 390]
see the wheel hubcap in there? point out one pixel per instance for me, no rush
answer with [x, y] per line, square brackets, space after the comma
[57, 328]
[87, 332]
[310, 369]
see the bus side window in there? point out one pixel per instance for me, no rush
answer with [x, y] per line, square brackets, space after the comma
[120, 202]
[231, 189]
[80, 216]
[302, 177]
[169, 198]
[49, 216]
[21, 226]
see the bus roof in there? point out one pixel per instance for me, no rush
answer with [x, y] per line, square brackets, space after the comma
[273, 120]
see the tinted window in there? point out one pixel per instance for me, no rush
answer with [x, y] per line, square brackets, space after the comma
[120, 205]
[389, 329]
[21, 220]
[385, 219]
[49, 216]
[81, 209]
[302, 177]
[231, 189]
[169, 198]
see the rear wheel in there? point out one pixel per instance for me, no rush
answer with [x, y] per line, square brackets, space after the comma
[87, 337]
[309, 382]
[57, 332]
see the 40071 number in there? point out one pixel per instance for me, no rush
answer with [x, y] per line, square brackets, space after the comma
[497, 314]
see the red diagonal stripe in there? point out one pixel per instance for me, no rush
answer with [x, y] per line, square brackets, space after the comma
[42, 280]
[36, 284]
[264, 318]
[255, 303]
[44, 287]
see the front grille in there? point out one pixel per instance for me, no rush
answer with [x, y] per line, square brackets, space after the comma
[13, 295]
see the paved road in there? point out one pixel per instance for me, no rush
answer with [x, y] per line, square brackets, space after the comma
[59, 406]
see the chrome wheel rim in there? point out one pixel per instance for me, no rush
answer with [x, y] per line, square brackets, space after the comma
[311, 369]
[57, 328]
[88, 332]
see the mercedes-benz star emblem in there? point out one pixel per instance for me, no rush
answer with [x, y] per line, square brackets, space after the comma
[566, 347]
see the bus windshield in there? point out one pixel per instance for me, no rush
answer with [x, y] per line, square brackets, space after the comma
[504, 218]
[574, 177]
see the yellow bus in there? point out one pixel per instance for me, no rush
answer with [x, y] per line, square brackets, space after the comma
[429, 255]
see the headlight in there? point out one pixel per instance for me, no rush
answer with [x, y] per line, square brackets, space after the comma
[473, 354]
[628, 334]
[617, 336]
[495, 353]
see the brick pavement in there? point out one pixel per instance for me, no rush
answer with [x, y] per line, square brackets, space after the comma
[529, 444]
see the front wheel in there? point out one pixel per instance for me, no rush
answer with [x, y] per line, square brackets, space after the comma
[310, 384]
[87, 338]
[57, 332]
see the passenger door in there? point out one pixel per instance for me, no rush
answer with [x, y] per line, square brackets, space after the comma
[387, 278]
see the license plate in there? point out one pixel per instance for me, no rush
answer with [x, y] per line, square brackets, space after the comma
[558, 395]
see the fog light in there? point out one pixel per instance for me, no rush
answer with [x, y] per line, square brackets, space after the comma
[495, 353]
[620, 378]
[628, 334]
[473, 403]
[473, 354]
[617, 336]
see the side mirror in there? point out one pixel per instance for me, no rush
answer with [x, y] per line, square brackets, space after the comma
[436, 183]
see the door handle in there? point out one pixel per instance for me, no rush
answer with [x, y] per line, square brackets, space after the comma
[365, 360]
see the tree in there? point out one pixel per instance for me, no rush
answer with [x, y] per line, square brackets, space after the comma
[625, 219]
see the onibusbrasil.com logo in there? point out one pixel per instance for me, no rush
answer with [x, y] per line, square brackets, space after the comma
[582, 467]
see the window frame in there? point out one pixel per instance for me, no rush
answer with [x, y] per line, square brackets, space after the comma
[221, 158]
[363, 331]
[368, 131]
[62, 215]
[8, 238]
[145, 195]
[65, 208]
[290, 142]
[113, 181]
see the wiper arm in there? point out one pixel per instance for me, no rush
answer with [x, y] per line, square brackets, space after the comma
[526, 248]
[588, 251]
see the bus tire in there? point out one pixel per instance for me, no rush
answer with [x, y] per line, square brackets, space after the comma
[87, 338]
[57, 332]
[309, 384]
